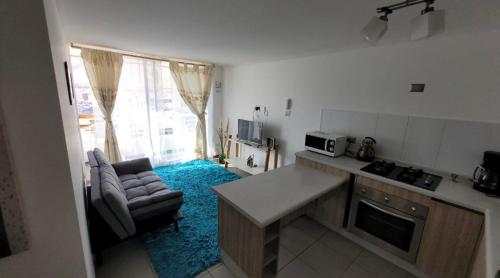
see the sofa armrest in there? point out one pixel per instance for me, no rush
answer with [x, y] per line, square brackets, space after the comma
[132, 166]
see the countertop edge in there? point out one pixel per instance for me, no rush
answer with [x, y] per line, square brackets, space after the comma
[356, 171]
[270, 220]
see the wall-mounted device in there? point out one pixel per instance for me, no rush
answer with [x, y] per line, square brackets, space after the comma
[288, 107]
[417, 87]
[326, 143]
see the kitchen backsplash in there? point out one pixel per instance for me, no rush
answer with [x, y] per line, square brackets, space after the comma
[448, 145]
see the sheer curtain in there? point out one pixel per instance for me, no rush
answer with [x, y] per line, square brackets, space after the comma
[150, 118]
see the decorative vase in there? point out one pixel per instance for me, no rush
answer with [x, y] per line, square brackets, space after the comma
[222, 158]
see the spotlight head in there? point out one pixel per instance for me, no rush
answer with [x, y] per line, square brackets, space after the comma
[429, 23]
[375, 29]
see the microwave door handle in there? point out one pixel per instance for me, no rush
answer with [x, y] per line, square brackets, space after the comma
[387, 212]
[325, 148]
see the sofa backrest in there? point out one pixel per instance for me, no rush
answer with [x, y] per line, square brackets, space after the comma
[108, 195]
[111, 174]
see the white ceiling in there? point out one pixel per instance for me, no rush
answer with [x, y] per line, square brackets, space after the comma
[242, 31]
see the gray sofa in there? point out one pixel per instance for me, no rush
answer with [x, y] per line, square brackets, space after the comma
[128, 193]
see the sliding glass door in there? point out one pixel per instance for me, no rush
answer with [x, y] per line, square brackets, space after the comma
[150, 118]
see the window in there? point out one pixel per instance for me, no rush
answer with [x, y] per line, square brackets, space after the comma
[150, 118]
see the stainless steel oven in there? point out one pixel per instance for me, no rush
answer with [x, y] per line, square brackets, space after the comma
[390, 222]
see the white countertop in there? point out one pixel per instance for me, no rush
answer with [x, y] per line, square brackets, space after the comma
[268, 197]
[460, 193]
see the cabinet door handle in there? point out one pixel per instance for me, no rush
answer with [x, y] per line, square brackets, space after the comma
[387, 212]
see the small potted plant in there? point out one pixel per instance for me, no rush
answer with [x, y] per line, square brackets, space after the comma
[222, 134]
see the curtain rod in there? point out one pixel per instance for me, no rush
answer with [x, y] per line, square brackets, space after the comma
[136, 55]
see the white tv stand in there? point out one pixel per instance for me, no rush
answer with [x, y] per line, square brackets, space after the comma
[241, 162]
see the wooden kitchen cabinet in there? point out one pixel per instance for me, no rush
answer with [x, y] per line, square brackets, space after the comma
[330, 208]
[478, 268]
[451, 237]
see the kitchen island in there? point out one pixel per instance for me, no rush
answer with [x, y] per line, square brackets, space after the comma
[250, 211]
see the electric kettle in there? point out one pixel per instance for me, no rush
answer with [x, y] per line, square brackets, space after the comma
[367, 150]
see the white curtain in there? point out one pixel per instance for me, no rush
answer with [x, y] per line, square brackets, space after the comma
[150, 118]
[103, 71]
[194, 83]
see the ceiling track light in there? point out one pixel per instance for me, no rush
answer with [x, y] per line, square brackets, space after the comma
[428, 23]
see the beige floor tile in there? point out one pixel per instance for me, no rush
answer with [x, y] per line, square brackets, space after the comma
[215, 266]
[285, 257]
[297, 269]
[295, 240]
[204, 274]
[341, 244]
[325, 261]
[355, 271]
[310, 227]
[221, 272]
[379, 267]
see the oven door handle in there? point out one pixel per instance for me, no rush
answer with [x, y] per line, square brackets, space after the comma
[387, 211]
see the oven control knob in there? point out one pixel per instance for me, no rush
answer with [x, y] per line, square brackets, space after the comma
[386, 199]
[413, 209]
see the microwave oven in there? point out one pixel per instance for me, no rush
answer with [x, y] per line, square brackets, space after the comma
[326, 143]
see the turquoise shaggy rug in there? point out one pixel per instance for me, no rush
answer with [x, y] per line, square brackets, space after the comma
[195, 247]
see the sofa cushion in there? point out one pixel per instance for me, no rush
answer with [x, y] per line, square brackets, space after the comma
[132, 166]
[155, 209]
[157, 197]
[146, 188]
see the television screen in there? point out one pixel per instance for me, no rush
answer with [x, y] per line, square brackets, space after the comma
[250, 131]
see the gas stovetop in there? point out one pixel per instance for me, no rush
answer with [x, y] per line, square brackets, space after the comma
[408, 175]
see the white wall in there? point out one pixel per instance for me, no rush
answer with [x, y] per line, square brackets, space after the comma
[44, 145]
[462, 74]
[60, 54]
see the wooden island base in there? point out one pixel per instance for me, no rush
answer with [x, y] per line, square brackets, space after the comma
[246, 249]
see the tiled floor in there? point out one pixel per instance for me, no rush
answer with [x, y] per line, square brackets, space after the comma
[308, 250]
[128, 259]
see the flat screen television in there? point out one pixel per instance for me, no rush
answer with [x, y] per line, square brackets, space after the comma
[250, 131]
